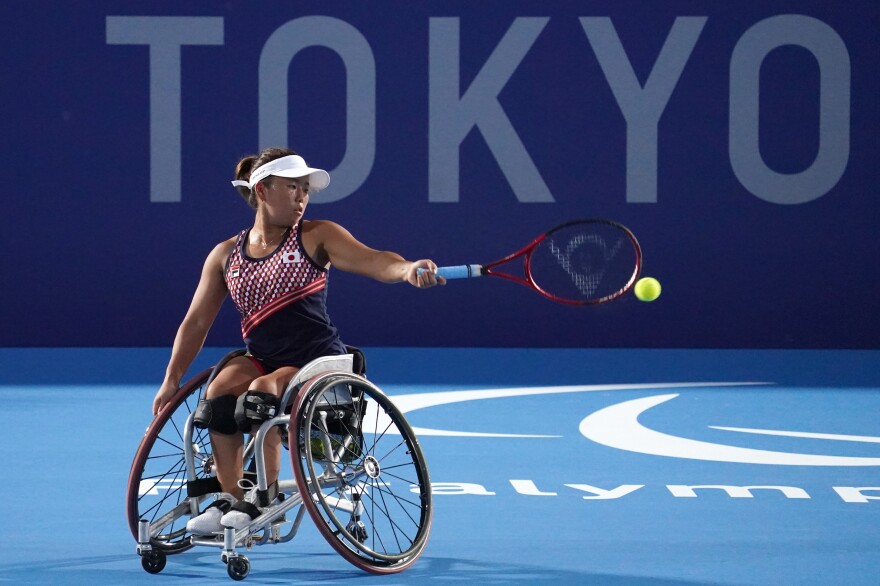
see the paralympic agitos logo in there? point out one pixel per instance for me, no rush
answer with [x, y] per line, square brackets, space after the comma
[618, 426]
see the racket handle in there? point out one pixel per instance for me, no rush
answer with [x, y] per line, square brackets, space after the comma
[458, 271]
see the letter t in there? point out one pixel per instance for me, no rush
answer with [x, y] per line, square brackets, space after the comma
[165, 35]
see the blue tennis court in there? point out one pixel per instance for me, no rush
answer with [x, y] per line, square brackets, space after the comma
[644, 467]
[727, 433]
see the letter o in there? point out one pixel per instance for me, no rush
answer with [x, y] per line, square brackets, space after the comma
[360, 67]
[831, 53]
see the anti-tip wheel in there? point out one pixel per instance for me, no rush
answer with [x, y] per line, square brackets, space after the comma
[238, 567]
[154, 561]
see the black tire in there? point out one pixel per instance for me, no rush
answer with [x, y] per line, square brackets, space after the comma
[154, 561]
[377, 461]
[238, 567]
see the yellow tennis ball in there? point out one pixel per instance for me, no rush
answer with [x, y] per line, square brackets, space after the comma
[648, 289]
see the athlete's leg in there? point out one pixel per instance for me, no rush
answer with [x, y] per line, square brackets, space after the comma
[244, 511]
[234, 379]
[274, 383]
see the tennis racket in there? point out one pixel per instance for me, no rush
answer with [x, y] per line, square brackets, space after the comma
[583, 262]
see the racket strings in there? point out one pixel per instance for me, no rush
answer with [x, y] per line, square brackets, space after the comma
[584, 262]
[585, 276]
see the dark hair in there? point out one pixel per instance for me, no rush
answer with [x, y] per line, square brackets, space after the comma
[249, 163]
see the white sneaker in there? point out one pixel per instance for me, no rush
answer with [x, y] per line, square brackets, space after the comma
[208, 522]
[244, 511]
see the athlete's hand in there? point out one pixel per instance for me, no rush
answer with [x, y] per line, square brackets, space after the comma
[422, 274]
[166, 391]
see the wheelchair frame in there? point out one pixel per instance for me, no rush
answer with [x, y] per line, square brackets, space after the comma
[345, 486]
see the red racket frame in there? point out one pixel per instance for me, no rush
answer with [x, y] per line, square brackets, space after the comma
[529, 281]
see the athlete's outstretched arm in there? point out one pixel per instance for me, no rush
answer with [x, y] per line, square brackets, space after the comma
[345, 252]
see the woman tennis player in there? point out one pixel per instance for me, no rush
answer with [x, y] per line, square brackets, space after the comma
[276, 273]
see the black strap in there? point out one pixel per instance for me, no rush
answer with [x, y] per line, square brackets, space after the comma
[203, 486]
[265, 497]
[222, 504]
[210, 484]
[250, 509]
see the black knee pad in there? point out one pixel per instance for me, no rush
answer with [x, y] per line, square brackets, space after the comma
[217, 414]
[253, 408]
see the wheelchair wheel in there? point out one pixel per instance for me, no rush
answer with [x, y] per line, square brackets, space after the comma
[157, 481]
[362, 473]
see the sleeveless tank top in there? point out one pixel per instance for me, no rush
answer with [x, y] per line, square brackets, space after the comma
[282, 299]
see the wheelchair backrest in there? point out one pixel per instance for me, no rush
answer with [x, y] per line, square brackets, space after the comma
[359, 365]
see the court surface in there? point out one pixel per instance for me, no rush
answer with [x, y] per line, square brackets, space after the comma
[644, 467]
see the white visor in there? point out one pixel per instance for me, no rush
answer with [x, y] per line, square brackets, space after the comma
[289, 166]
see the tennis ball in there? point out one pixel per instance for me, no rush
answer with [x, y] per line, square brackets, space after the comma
[647, 289]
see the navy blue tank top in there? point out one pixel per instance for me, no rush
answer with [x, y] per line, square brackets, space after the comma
[283, 302]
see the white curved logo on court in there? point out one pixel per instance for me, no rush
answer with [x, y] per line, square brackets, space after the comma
[618, 426]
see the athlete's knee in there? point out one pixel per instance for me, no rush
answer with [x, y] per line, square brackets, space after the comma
[216, 414]
[253, 408]
[271, 383]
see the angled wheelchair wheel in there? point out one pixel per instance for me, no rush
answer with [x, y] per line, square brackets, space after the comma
[362, 472]
[156, 489]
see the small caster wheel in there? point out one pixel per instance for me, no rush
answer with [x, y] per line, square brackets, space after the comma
[238, 567]
[153, 561]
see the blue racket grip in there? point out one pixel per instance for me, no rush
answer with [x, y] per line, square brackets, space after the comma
[457, 271]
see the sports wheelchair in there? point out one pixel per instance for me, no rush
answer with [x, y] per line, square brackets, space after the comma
[357, 469]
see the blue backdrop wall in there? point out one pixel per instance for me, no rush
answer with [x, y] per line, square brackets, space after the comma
[738, 140]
